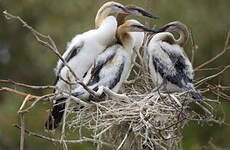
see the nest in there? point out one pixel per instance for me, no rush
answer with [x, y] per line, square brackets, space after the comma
[139, 118]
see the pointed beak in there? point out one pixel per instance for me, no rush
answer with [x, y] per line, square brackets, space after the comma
[141, 28]
[122, 9]
[164, 28]
[142, 12]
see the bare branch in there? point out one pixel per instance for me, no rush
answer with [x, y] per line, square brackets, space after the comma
[226, 48]
[52, 46]
[18, 92]
[84, 139]
[27, 86]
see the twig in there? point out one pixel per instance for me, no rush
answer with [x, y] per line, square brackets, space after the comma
[84, 139]
[22, 132]
[126, 136]
[18, 92]
[35, 102]
[23, 122]
[27, 86]
[213, 76]
[148, 8]
[52, 46]
[194, 46]
[218, 55]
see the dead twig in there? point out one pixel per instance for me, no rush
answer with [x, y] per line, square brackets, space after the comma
[84, 139]
[226, 48]
[18, 92]
[50, 45]
[27, 86]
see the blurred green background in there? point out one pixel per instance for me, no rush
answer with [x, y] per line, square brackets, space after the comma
[22, 59]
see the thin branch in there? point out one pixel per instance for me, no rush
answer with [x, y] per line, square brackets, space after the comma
[194, 46]
[226, 48]
[35, 102]
[84, 139]
[148, 8]
[213, 76]
[26, 85]
[22, 132]
[52, 46]
[23, 123]
[18, 92]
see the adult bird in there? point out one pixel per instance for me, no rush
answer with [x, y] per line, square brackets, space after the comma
[138, 37]
[112, 67]
[169, 66]
[82, 51]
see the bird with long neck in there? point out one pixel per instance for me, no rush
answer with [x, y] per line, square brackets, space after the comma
[170, 68]
[113, 65]
[138, 37]
[81, 53]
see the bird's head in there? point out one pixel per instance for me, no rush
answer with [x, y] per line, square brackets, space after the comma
[178, 27]
[175, 26]
[135, 11]
[138, 11]
[115, 7]
[131, 26]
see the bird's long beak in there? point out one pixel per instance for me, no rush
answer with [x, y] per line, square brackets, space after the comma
[140, 28]
[139, 11]
[164, 28]
[121, 9]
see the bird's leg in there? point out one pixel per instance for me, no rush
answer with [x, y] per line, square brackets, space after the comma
[113, 94]
[100, 90]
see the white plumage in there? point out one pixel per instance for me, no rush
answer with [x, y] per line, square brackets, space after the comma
[84, 48]
[82, 51]
[113, 66]
[169, 66]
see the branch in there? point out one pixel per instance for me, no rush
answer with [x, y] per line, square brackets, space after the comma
[27, 86]
[84, 139]
[50, 45]
[148, 8]
[18, 92]
[213, 76]
[226, 48]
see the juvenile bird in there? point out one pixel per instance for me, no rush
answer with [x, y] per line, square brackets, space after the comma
[169, 66]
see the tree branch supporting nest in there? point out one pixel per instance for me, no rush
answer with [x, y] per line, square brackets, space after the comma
[137, 119]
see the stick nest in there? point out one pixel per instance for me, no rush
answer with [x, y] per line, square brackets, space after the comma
[140, 120]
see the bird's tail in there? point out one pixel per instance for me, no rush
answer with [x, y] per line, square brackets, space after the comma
[194, 94]
[56, 115]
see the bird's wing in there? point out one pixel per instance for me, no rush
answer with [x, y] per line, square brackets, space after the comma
[73, 48]
[100, 62]
[173, 68]
[107, 72]
[71, 51]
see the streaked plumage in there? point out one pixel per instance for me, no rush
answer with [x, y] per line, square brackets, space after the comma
[113, 65]
[82, 51]
[169, 66]
[138, 37]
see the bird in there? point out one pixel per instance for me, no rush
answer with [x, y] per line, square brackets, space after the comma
[169, 66]
[84, 48]
[138, 36]
[81, 52]
[112, 67]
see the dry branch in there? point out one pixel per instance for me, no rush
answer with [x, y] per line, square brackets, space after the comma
[226, 48]
[138, 118]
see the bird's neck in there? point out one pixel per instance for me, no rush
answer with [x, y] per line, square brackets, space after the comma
[121, 18]
[125, 39]
[183, 37]
[102, 13]
[107, 30]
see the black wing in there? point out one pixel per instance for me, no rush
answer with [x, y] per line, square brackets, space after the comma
[174, 71]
